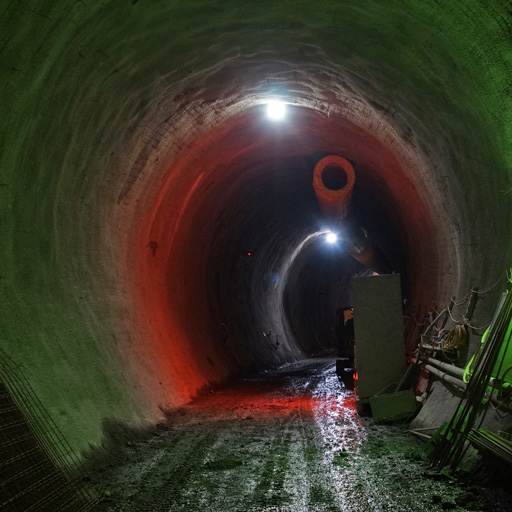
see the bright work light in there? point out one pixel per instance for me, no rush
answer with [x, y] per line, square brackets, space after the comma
[275, 110]
[331, 237]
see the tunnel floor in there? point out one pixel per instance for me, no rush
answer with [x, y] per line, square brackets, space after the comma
[285, 440]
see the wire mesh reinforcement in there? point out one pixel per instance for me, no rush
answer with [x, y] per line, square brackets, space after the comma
[38, 469]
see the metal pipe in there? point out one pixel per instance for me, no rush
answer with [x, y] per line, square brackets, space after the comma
[333, 182]
[445, 377]
[450, 368]
[490, 395]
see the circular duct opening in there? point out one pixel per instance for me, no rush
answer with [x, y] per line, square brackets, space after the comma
[334, 178]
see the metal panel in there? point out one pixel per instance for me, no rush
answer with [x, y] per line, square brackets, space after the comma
[379, 334]
[393, 406]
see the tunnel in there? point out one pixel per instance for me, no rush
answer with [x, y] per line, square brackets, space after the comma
[160, 232]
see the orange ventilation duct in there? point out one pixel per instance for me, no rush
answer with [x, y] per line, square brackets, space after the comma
[333, 181]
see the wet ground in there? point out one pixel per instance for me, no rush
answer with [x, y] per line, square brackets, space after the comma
[287, 440]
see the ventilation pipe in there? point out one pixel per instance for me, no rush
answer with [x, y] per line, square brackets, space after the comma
[333, 181]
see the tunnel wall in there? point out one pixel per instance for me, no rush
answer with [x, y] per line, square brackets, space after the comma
[104, 107]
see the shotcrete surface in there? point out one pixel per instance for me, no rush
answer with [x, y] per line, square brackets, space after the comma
[287, 440]
[100, 102]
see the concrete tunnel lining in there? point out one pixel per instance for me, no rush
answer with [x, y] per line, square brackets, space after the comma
[157, 118]
[237, 179]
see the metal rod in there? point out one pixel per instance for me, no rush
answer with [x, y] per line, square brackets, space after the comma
[445, 377]
[449, 368]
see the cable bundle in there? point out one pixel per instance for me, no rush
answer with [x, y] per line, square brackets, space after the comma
[456, 339]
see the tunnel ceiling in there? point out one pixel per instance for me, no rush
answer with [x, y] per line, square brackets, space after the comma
[155, 223]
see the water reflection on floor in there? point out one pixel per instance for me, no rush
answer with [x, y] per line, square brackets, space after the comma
[286, 440]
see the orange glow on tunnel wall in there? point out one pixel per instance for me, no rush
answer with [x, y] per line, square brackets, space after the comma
[169, 270]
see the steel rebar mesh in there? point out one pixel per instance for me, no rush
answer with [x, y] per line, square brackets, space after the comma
[492, 444]
[38, 469]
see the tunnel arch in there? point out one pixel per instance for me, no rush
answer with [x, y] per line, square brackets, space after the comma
[243, 186]
[115, 117]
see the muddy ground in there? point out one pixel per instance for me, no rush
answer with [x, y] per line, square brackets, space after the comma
[287, 440]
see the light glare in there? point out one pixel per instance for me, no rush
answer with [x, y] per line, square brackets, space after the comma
[275, 109]
[331, 237]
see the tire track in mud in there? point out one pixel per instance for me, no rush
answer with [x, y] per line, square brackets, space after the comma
[341, 434]
[162, 487]
[270, 488]
[289, 441]
[284, 484]
[319, 496]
